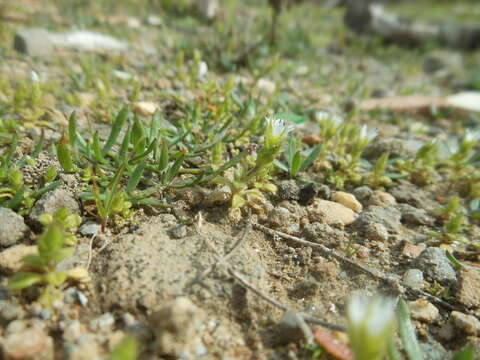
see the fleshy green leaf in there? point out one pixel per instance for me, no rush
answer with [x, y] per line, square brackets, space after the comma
[407, 332]
[64, 154]
[23, 280]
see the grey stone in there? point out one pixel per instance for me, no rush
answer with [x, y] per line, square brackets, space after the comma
[376, 232]
[414, 196]
[415, 216]
[12, 227]
[288, 190]
[33, 42]
[363, 193]
[413, 278]
[90, 228]
[52, 201]
[179, 231]
[102, 323]
[395, 147]
[33, 343]
[87, 41]
[388, 216]
[11, 312]
[435, 266]
[324, 234]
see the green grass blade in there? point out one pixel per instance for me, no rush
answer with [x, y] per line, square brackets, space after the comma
[310, 159]
[135, 177]
[113, 189]
[116, 128]
[407, 332]
[64, 155]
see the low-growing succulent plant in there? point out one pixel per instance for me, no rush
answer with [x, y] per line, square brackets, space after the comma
[53, 247]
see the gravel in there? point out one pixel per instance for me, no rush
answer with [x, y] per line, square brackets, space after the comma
[12, 227]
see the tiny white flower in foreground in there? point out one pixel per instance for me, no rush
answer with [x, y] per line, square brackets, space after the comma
[34, 76]
[471, 135]
[368, 134]
[371, 322]
[276, 129]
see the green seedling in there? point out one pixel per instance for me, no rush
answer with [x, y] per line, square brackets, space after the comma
[378, 176]
[14, 193]
[252, 175]
[455, 222]
[69, 222]
[422, 167]
[296, 162]
[42, 267]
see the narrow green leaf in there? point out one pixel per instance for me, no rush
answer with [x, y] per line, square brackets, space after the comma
[456, 264]
[172, 172]
[296, 163]
[393, 353]
[280, 165]
[23, 280]
[135, 177]
[291, 151]
[72, 129]
[407, 332]
[164, 157]
[150, 148]
[64, 154]
[117, 126]
[96, 149]
[34, 261]
[124, 147]
[52, 186]
[16, 200]
[113, 189]
[312, 157]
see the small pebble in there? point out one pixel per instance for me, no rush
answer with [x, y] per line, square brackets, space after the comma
[413, 278]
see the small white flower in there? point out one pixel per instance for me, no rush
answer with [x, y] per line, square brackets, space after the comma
[375, 313]
[371, 325]
[277, 128]
[471, 136]
[34, 76]
[323, 115]
[368, 134]
[202, 69]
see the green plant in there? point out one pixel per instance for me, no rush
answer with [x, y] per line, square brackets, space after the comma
[296, 161]
[455, 222]
[371, 325]
[14, 193]
[53, 247]
[252, 175]
[422, 167]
